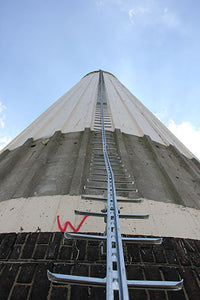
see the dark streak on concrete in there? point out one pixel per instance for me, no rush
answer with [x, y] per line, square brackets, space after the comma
[79, 172]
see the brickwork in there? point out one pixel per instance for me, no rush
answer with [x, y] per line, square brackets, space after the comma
[25, 258]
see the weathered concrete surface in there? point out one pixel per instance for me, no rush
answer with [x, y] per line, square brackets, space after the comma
[161, 173]
[61, 165]
[40, 214]
[44, 167]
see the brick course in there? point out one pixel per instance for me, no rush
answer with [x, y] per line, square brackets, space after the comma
[25, 258]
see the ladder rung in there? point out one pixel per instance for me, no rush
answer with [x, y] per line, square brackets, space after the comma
[116, 175]
[102, 160]
[126, 189]
[73, 279]
[105, 188]
[102, 163]
[107, 138]
[113, 155]
[109, 143]
[114, 158]
[104, 169]
[107, 134]
[116, 181]
[102, 148]
[155, 285]
[134, 240]
[99, 282]
[103, 214]
[98, 174]
[105, 199]
[95, 187]
[96, 164]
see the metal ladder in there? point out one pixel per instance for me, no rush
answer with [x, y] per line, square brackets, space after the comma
[115, 279]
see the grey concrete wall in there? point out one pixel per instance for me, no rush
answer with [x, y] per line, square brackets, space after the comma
[61, 164]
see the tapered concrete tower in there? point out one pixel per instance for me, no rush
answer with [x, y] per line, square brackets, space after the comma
[57, 166]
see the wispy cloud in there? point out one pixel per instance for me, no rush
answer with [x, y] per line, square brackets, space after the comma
[140, 9]
[144, 12]
[4, 140]
[187, 134]
[149, 12]
[2, 115]
[169, 18]
[131, 14]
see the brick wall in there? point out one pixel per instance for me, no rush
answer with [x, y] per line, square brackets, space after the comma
[25, 258]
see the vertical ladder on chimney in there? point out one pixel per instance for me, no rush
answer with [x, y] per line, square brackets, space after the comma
[115, 279]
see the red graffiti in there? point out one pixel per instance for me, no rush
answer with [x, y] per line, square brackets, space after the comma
[68, 223]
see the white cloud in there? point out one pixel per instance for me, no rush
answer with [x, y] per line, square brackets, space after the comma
[149, 12]
[2, 116]
[142, 8]
[131, 14]
[4, 141]
[187, 134]
[2, 124]
[144, 12]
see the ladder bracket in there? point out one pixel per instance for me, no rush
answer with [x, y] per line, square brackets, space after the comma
[91, 237]
[99, 282]
[103, 214]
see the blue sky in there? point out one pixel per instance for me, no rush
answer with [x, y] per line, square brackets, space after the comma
[152, 46]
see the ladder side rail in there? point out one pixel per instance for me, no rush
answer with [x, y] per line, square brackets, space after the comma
[112, 221]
